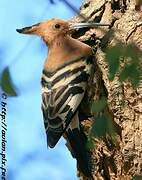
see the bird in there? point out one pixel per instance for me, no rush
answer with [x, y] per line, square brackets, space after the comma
[65, 77]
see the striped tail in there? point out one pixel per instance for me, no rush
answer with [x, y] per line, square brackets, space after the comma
[77, 140]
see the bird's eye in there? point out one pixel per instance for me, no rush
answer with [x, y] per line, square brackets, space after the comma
[57, 26]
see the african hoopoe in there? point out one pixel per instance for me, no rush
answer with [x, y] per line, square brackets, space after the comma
[66, 73]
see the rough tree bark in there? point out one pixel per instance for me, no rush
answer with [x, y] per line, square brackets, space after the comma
[124, 160]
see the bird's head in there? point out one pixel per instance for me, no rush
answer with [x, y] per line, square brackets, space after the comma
[48, 30]
[51, 29]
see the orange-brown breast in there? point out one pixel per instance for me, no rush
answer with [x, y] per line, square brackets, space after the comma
[65, 50]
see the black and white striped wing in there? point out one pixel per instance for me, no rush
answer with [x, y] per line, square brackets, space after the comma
[62, 92]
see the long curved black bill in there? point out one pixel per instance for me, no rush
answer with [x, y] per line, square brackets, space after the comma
[87, 24]
[24, 30]
[28, 30]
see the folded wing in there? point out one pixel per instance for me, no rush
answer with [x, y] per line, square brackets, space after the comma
[62, 92]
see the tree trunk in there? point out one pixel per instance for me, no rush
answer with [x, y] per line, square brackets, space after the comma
[124, 159]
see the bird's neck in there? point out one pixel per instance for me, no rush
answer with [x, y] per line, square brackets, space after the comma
[65, 49]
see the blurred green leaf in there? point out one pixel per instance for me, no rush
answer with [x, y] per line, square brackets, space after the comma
[125, 73]
[99, 105]
[135, 78]
[6, 83]
[113, 55]
[132, 73]
[132, 69]
[90, 144]
[103, 126]
[133, 52]
[137, 178]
